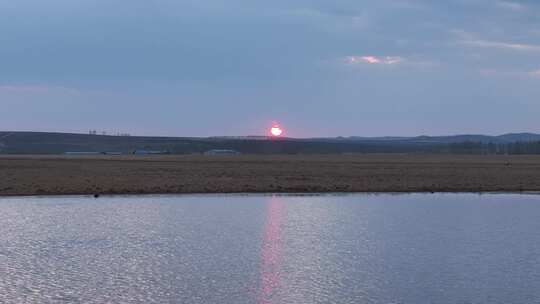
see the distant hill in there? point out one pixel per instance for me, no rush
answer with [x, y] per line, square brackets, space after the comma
[505, 138]
[60, 143]
[523, 137]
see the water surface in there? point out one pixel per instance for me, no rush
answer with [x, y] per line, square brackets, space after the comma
[417, 248]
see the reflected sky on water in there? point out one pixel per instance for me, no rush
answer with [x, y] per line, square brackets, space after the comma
[362, 248]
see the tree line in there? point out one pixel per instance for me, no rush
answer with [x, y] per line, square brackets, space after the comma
[494, 148]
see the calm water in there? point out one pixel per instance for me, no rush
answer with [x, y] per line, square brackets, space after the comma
[420, 248]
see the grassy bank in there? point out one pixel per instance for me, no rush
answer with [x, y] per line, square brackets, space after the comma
[44, 175]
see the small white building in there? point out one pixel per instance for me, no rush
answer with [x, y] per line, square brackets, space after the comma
[221, 152]
[149, 152]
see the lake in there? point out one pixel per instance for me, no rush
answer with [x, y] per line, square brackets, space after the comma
[358, 248]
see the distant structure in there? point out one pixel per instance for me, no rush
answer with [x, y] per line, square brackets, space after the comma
[149, 152]
[83, 153]
[94, 132]
[112, 153]
[92, 153]
[221, 152]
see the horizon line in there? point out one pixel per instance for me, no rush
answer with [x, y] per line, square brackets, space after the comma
[125, 134]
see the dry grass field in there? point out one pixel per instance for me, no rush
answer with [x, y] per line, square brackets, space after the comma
[43, 175]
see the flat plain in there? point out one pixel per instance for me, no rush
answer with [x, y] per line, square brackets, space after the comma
[52, 175]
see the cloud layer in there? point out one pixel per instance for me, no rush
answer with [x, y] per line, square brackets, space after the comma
[386, 60]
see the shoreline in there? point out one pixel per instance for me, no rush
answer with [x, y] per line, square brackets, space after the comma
[242, 194]
[44, 175]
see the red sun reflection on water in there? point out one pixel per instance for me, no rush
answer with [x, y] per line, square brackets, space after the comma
[271, 252]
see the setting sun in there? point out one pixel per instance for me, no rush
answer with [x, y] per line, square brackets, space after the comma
[276, 131]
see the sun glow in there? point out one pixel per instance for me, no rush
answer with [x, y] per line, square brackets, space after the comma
[276, 131]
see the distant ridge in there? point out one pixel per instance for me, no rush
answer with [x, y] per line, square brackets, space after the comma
[60, 143]
[505, 138]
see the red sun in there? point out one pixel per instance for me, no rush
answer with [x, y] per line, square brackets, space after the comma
[276, 131]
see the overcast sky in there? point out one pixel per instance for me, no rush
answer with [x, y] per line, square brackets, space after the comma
[231, 67]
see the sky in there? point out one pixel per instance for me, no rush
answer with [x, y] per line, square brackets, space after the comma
[232, 67]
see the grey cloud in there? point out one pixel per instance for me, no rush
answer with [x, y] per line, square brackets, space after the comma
[503, 45]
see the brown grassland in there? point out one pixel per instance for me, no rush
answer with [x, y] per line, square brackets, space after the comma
[44, 175]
